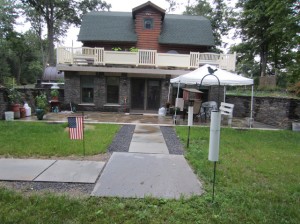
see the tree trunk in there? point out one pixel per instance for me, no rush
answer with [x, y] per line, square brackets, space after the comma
[51, 60]
[50, 36]
[263, 60]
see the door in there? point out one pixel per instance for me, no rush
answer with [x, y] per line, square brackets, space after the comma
[137, 94]
[153, 94]
[145, 94]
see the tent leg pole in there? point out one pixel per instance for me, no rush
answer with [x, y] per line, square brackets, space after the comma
[175, 114]
[224, 94]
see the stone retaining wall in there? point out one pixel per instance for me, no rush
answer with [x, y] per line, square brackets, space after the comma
[3, 104]
[272, 111]
[277, 112]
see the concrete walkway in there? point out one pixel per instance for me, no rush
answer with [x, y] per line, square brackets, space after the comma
[146, 170]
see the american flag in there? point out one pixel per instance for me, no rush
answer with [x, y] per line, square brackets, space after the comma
[75, 127]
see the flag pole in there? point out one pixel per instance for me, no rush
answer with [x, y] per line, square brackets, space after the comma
[83, 133]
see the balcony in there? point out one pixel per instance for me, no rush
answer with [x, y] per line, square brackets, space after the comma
[143, 58]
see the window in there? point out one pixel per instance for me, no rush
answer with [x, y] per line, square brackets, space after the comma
[148, 23]
[87, 89]
[112, 88]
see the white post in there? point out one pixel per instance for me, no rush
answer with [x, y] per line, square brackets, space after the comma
[190, 115]
[224, 94]
[174, 119]
[214, 139]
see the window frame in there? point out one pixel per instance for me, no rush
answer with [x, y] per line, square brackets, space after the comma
[89, 86]
[147, 21]
[116, 87]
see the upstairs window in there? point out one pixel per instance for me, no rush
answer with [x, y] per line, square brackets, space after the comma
[148, 23]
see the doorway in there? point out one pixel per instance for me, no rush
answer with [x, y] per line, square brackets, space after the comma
[145, 94]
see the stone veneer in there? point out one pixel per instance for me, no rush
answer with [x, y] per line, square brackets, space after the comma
[279, 112]
[3, 103]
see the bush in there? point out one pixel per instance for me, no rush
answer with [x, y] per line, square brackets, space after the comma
[295, 89]
[41, 101]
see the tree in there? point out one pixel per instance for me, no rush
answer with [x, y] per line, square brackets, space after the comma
[218, 13]
[58, 15]
[8, 16]
[202, 8]
[270, 27]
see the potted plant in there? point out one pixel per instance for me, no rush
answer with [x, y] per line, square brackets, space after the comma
[54, 94]
[41, 106]
[14, 97]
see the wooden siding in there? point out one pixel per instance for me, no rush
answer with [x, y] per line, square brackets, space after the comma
[148, 38]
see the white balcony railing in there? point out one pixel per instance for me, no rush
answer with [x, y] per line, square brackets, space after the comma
[98, 56]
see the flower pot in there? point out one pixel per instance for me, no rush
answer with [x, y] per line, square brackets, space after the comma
[16, 109]
[40, 113]
[22, 112]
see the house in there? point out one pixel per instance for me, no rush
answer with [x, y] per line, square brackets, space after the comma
[128, 58]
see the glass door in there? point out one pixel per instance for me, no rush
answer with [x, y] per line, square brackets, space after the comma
[153, 94]
[137, 94]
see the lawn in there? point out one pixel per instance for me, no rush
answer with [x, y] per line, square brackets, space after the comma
[21, 139]
[257, 182]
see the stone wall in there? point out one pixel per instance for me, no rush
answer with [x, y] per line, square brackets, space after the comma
[277, 112]
[27, 95]
[3, 103]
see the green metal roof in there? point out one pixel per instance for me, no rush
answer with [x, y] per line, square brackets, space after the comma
[186, 30]
[119, 27]
[107, 26]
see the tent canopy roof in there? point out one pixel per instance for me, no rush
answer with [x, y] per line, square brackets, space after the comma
[226, 78]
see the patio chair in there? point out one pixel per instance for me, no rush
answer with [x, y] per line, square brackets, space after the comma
[227, 110]
[206, 109]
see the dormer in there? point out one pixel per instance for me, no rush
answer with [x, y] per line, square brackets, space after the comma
[146, 6]
[148, 24]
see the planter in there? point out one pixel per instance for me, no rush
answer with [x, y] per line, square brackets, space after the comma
[22, 112]
[296, 126]
[16, 109]
[40, 113]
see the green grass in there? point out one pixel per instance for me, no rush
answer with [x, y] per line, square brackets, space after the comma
[257, 182]
[23, 139]
[261, 93]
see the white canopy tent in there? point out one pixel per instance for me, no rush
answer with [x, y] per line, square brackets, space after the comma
[225, 78]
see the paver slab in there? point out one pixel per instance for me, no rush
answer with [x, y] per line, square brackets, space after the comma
[139, 175]
[146, 147]
[22, 169]
[148, 138]
[72, 171]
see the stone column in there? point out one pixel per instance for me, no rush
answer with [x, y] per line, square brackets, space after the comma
[72, 88]
[124, 97]
[100, 91]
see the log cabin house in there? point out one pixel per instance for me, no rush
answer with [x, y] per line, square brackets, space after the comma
[128, 58]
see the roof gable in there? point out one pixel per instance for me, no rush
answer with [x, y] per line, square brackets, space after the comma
[146, 5]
